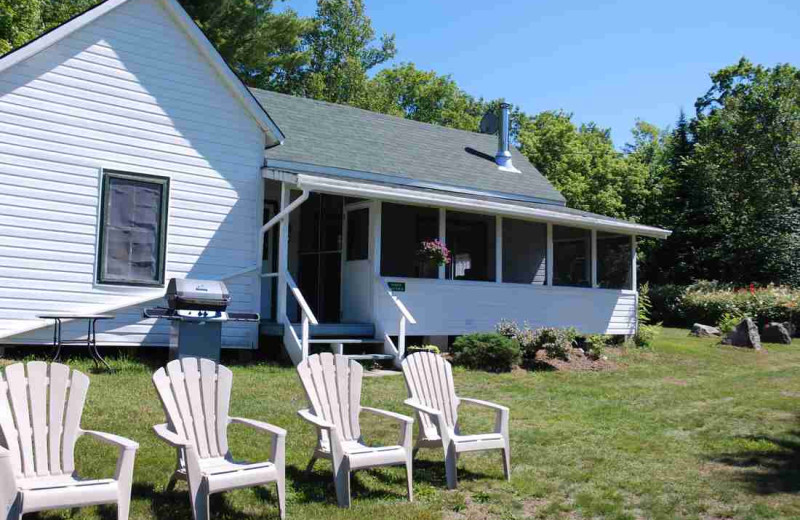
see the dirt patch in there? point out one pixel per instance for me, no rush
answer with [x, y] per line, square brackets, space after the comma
[577, 362]
[674, 381]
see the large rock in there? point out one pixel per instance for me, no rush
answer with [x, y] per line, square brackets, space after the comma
[790, 328]
[704, 331]
[744, 335]
[776, 333]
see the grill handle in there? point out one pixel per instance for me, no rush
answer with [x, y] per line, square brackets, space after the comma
[156, 312]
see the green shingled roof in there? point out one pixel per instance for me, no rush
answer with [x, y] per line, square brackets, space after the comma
[343, 137]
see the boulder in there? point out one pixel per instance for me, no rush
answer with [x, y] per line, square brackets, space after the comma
[776, 333]
[744, 335]
[790, 328]
[704, 331]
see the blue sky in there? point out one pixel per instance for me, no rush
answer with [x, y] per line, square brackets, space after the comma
[610, 62]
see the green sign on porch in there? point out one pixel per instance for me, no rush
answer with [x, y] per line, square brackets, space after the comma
[397, 286]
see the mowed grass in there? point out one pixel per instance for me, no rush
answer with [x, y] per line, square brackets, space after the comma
[689, 429]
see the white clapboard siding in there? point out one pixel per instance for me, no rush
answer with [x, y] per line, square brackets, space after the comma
[127, 92]
[447, 307]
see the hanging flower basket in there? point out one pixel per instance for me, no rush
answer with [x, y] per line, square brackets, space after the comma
[434, 252]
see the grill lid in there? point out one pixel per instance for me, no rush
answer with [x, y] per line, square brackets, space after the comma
[184, 293]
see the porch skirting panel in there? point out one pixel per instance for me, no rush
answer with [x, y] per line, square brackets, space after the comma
[451, 307]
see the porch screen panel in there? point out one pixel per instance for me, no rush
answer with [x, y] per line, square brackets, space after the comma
[524, 252]
[403, 228]
[471, 240]
[614, 261]
[572, 256]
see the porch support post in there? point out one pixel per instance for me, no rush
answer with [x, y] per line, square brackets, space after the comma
[498, 250]
[634, 284]
[375, 238]
[593, 256]
[443, 239]
[283, 256]
[549, 254]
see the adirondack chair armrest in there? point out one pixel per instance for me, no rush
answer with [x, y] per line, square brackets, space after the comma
[307, 415]
[501, 420]
[485, 404]
[270, 428]
[390, 415]
[170, 437]
[433, 412]
[109, 438]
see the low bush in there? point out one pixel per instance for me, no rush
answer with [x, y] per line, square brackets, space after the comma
[486, 351]
[646, 331]
[710, 302]
[422, 348]
[594, 345]
[556, 342]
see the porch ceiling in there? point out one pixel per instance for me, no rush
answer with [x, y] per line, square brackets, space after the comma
[475, 203]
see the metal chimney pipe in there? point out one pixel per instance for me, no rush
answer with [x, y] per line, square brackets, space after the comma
[503, 157]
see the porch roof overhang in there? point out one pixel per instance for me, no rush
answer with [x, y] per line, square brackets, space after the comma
[477, 203]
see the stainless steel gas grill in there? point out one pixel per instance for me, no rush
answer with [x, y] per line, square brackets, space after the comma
[197, 309]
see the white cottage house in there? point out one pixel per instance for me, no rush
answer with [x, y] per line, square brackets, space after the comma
[312, 213]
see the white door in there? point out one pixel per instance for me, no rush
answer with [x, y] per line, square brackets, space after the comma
[356, 266]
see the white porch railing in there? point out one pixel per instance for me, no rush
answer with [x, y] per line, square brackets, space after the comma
[405, 318]
[289, 335]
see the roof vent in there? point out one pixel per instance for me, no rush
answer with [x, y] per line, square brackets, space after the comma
[503, 157]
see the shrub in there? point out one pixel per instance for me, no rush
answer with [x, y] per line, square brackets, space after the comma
[555, 341]
[422, 348]
[595, 345]
[645, 331]
[728, 322]
[486, 351]
[708, 302]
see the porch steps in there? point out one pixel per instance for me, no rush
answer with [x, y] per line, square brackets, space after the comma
[360, 349]
[357, 340]
[338, 330]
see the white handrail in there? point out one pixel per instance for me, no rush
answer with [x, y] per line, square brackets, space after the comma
[300, 300]
[400, 306]
[308, 315]
[405, 317]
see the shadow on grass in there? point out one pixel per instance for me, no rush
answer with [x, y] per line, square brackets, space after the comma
[169, 505]
[773, 469]
[318, 485]
[432, 472]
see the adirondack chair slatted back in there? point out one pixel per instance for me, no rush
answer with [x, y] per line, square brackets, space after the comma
[196, 396]
[40, 414]
[429, 379]
[333, 387]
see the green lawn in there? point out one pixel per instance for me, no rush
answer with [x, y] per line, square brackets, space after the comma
[687, 430]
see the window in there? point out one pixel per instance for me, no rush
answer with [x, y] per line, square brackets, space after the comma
[358, 234]
[133, 227]
[524, 252]
[471, 240]
[572, 256]
[403, 229]
[614, 261]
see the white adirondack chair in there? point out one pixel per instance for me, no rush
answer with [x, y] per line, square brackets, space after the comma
[40, 415]
[196, 395]
[333, 387]
[429, 380]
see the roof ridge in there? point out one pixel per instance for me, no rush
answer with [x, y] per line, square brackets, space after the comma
[372, 112]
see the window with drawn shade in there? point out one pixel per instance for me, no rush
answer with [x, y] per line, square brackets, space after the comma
[133, 229]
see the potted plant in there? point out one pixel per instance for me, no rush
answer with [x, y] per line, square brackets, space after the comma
[432, 254]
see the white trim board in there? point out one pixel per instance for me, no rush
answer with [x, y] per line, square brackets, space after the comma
[237, 88]
[430, 198]
[297, 167]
